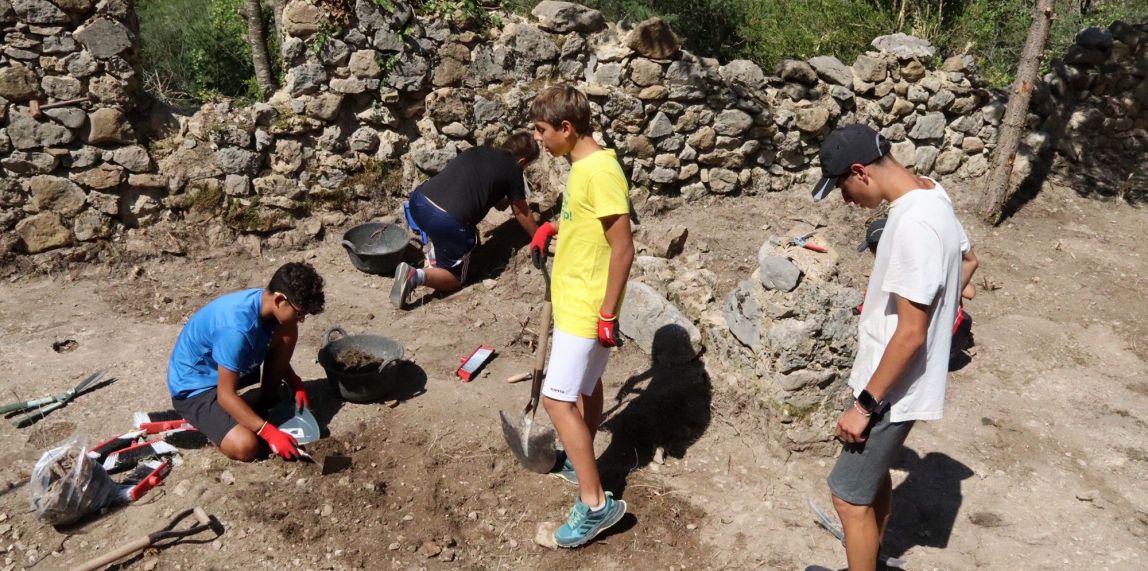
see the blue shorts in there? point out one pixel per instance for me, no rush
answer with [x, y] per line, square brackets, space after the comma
[451, 240]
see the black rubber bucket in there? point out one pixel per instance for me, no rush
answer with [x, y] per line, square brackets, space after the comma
[376, 247]
[361, 386]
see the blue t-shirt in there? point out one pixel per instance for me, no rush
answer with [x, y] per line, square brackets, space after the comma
[227, 332]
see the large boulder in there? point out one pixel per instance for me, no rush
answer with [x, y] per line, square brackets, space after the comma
[109, 126]
[43, 232]
[28, 133]
[654, 39]
[832, 71]
[104, 38]
[56, 194]
[563, 17]
[658, 326]
[905, 47]
[18, 83]
[38, 12]
[302, 18]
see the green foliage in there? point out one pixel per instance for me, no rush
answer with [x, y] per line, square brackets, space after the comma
[196, 50]
[767, 31]
[462, 13]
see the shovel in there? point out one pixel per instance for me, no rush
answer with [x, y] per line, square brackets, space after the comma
[202, 523]
[535, 451]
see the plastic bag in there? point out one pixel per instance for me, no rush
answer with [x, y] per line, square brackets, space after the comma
[68, 485]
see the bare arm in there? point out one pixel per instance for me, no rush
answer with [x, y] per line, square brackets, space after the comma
[525, 218]
[621, 241]
[969, 266]
[230, 400]
[908, 338]
[277, 367]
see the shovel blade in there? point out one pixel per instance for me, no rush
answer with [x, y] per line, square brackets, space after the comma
[534, 449]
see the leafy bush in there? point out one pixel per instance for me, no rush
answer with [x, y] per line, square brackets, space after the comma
[195, 50]
[767, 31]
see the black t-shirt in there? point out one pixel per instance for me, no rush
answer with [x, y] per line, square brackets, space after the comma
[473, 182]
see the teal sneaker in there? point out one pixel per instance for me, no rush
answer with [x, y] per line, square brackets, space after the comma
[583, 525]
[564, 469]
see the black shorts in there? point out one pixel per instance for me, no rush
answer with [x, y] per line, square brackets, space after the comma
[205, 413]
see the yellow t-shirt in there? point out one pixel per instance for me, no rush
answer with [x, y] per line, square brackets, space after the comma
[597, 188]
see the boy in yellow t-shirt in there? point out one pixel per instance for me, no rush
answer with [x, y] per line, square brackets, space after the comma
[591, 267]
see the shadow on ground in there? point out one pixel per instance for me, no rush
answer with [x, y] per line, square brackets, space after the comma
[666, 406]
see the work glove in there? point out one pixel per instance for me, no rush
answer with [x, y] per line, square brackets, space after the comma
[538, 244]
[281, 443]
[607, 329]
[301, 400]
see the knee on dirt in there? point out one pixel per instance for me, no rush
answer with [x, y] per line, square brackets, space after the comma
[240, 444]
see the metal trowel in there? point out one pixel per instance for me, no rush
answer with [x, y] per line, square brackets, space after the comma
[533, 449]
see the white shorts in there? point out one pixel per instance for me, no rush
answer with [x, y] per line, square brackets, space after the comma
[576, 364]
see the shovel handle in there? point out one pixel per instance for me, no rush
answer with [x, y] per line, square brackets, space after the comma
[540, 358]
[115, 555]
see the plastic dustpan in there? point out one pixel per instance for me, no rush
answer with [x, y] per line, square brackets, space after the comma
[300, 424]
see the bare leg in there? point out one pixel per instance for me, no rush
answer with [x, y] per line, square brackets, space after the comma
[442, 280]
[575, 436]
[590, 407]
[240, 444]
[862, 535]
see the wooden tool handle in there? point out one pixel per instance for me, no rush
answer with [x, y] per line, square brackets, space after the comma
[519, 377]
[114, 555]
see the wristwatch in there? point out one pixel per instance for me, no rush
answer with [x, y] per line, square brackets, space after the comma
[872, 405]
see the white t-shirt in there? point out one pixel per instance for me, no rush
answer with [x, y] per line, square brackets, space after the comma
[919, 259]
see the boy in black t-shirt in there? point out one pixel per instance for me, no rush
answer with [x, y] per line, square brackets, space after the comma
[449, 206]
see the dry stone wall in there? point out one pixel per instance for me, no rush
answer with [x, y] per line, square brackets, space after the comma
[376, 96]
[67, 149]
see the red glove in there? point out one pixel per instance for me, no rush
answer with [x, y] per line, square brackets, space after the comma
[539, 242]
[301, 400]
[280, 442]
[607, 330]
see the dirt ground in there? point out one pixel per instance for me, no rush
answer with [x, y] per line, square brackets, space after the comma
[1039, 462]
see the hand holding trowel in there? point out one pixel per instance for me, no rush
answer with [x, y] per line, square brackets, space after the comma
[534, 450]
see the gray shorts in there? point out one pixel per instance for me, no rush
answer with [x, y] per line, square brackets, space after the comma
[862, 468]
[205, 413]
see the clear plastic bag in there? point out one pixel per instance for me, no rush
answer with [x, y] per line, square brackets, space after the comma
[68, 485]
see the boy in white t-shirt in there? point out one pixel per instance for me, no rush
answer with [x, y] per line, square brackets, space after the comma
[905, 329]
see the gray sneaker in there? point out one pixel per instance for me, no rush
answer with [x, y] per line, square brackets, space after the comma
[404, 280]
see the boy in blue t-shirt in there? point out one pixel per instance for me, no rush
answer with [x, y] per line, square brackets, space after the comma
[232, 337]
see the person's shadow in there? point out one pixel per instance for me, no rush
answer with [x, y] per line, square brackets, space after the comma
[666, 406]
[926, 504]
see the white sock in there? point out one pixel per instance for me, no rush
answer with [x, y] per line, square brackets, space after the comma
[420, 277]
[599, 507]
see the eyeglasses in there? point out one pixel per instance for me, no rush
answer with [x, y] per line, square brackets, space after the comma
[299, 313]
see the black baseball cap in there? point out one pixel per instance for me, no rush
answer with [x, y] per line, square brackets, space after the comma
[872, 235]
[846, 146]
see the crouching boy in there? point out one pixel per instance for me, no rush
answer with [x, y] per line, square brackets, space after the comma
[231, 337]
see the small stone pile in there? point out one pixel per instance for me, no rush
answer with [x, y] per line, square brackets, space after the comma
[1093, 106]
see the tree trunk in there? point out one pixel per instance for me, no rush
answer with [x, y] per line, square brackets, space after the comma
[277, 8]
[1012, 125]
[257, 37]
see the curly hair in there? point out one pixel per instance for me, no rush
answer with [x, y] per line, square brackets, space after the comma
[302, 285]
